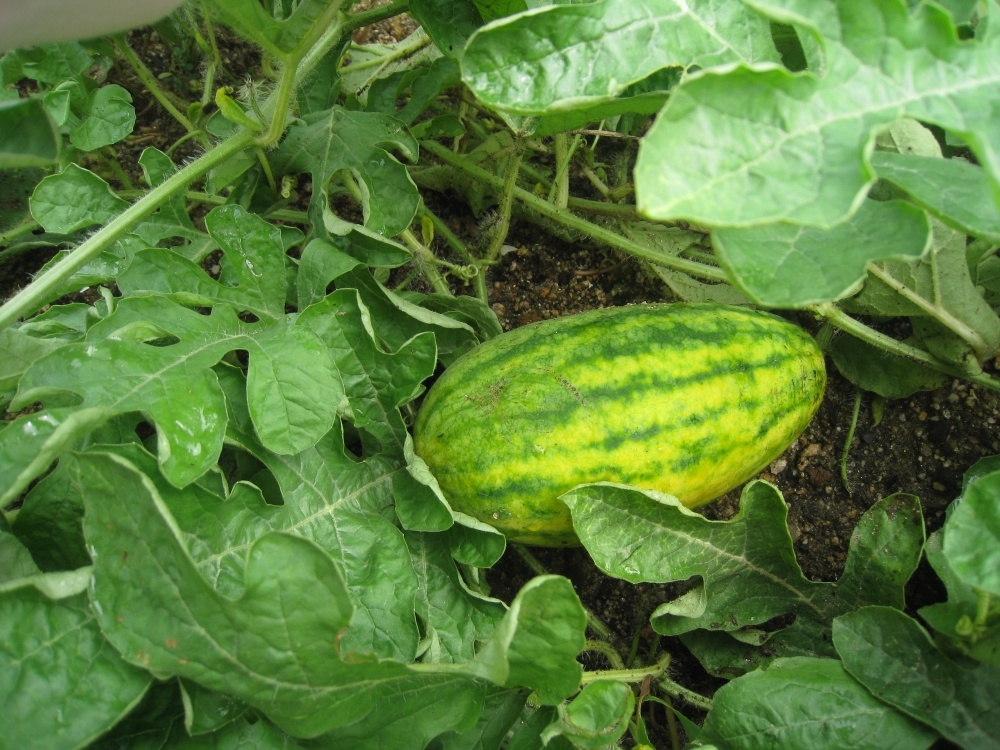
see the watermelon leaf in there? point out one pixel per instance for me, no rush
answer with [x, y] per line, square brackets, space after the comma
[797, 144]
[891, 655]
[746, 568]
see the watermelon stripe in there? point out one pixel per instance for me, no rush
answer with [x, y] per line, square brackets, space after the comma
[686, 399]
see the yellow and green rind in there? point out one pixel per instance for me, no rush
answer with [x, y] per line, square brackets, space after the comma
[690, 400]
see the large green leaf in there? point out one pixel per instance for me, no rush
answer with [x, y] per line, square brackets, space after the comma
[278, 646]
[873, 369]
[825, 264]
[28, 137]
[61, 683]
[746, 566]
[972, 535]
[754, 144]
[563, 57]
[326, 142]
[501, 710]
[802, 702]
[891, 655]
[294, 387]
[17, 351]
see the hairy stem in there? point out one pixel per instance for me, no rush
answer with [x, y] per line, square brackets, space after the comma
[42, 290]
[602, 647]
[935, 310]
[845, 322]
[674, 690]
[850, 437]
[149, 80]
[16, 232]
[426, 262]
[628, 675]
[506, 201]
[567, 219]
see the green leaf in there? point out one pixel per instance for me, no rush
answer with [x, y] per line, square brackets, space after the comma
[148, 726]
[563, 57]
[972, 535]
[873, 369]
[596, 718]
[492, 9]
[55, 63]
[17, 351]
[762, 144]
[802, 702]
[74, 199]
[937, 287]
[50, 523]
[276, 647]
[15, 190]
[28, 137]
[978, 641]
[956, 192]
[295, 388]
[825, 264]
[326, 142]
[397, 320]
[107, 116]
[342, 505]
[30, 444]
[276, 34]
[501, 710]
[15, 559]
[537, 642]
[62, 684]
[241, 734]
[453, 617]
[254, 250]
[449, 23]
[891, 655]
[207, 711]
[746, 566]
[527, 735]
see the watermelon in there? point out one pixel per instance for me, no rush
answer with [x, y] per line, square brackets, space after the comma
[688, 399]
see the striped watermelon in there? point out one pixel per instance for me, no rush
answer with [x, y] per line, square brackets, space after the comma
[690, 400]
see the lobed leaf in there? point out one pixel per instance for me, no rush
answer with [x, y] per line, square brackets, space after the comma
[825, 264]
[746, 569]
[797, 145]
[564, 57]
[74, 199]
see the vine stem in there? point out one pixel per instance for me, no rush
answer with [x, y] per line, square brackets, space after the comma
[602, 647]
[40, 291]
[674, 690]
[568, 219]
[629, 675]
[426, 262]
[146, 76]
[937, 312]
[845, 322]
[850, 437]
[506, 201]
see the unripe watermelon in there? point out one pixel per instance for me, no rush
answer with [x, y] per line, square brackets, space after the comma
[690, 400]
